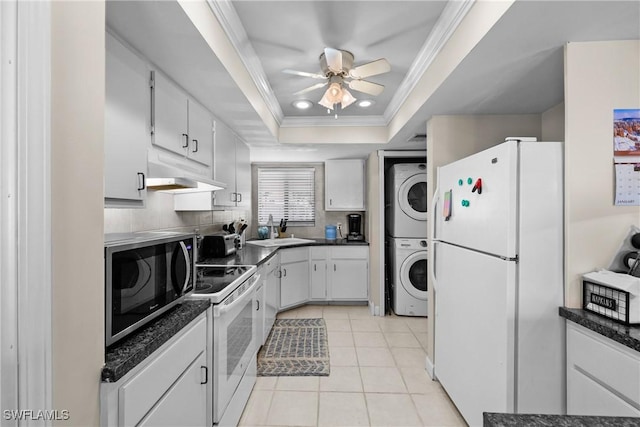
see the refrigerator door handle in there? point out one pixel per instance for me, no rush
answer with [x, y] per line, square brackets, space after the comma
[432, 220]
[432, 264]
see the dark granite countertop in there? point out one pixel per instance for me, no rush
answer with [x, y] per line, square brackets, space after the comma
[534, 420]
[256, 255]
[625, 335]
[125, 355]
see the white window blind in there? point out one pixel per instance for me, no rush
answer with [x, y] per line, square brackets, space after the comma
[287, 193]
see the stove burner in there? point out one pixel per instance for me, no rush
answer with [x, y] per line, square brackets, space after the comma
[214, 279]
[202, 287]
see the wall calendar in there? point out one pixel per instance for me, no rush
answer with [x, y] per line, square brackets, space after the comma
[626, 156]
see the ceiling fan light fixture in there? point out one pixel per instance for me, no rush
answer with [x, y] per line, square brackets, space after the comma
[347, 98]
[325, 101]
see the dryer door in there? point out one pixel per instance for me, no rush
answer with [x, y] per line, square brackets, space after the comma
[413, 274]
[412, 196]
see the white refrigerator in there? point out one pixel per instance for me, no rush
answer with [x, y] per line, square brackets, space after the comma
[497, 274]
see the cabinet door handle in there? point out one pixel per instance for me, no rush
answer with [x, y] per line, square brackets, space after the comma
[258, 309]
[238, 195]
[206, 374]
[314, 267]
[334, 267]
[152, 85]
[285, 272]
[142, 183]
[233, 197]
[330, 202]
[195, 150]
[186, 140]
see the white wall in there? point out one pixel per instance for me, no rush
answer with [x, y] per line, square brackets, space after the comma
[599, 77]
[553, 123]
[77, 133]
[450, 138]
[374, 234]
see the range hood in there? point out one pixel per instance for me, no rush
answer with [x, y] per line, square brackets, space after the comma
[169, 179]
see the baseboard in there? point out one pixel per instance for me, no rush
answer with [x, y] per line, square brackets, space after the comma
[430, 369]
[374, 310]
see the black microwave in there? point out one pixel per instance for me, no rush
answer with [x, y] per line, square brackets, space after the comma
[146, 274]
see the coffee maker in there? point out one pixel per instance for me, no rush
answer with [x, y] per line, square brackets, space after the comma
[355, 223]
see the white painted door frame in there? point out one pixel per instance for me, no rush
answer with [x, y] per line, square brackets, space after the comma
[25, 213]
[382, 154]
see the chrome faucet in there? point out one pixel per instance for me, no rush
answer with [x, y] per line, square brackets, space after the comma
[272, 232]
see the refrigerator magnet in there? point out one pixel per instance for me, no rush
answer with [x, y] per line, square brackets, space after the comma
[446, 209]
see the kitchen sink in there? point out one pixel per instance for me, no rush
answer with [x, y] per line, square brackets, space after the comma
[271, 243]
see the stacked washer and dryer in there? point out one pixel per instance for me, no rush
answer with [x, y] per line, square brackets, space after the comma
[407, 238]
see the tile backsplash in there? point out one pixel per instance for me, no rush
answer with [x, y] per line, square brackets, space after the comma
[159, 214]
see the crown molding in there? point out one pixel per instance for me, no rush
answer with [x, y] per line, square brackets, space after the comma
[232, 26]
[331, 121]
[447, 23]
[449, 20]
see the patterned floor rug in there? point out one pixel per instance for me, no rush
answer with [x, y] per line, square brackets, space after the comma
[295, 347]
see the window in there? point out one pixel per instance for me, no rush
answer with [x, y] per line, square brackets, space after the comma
[287, 193]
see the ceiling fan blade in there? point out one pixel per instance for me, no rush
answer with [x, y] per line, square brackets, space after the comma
[334, 59]
[366, 87]
[310, 88]
[373, 68]
[304, 74]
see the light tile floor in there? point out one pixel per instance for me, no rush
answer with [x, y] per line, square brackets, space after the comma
[377, 377]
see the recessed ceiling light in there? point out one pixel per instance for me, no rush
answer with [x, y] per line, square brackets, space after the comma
[365, 103]
[302, 104]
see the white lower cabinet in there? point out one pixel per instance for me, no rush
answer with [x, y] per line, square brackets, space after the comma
[318, 271]
[260, 309]
[603, 376]
[348, 274]
[339, 273]
[272, 292]
[184, 404]
[294, 276]
[170, 387]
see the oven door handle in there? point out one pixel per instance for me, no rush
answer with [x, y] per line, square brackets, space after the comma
[248, 293]
[187, 260]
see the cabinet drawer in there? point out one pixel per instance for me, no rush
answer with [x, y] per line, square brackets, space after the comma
[605, 361]
[587, 397]
[294, 255]
[351, 252]
[142, 392]
[318, 252]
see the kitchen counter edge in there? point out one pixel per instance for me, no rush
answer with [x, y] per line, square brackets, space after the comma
[492, 419]
[257, 255]
[122, 357]
[628, 336]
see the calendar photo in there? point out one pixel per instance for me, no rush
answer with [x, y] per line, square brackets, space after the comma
[626, 132]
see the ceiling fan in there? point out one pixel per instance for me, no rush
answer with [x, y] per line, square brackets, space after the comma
[338, 71]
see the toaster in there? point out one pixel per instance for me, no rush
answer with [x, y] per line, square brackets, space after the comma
[217, 246]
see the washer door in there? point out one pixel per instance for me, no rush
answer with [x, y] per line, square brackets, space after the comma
[413, 274]
[412, 196]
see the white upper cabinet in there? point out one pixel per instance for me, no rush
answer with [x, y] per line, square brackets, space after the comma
[126, 126]
[233, 167]
[243, 174]
[225, 164]
[180, 124]
[344, 185]
[200, 134]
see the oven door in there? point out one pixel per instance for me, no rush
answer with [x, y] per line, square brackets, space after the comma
[234, 345]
